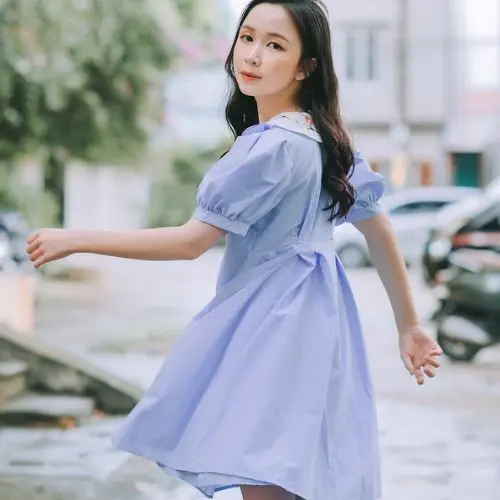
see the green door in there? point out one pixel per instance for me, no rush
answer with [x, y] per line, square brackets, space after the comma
[467, 166]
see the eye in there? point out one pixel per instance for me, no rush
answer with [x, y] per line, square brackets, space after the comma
[275, 46]
[246, 38]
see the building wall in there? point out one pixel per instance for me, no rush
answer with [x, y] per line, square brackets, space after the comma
[474, 93]
[103, 197]
[377, 92]
[365, 100]
[428, 69]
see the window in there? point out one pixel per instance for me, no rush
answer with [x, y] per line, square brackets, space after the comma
[487, 221]
[362, 53]
[418, 207]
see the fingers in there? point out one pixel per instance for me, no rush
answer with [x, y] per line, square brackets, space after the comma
[33, 246]
[34, 256]
[408, 363]
[412, 369]
[436, 351]
[419, 376]
[39, 258]
[32, 238]
[428, 368]
[416, 368]
[420, 355]
[432, 361]
[40, 262]
[419, 371]
[35, 251]
[430, 371]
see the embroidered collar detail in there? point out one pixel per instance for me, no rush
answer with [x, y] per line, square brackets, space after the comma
[296, 121]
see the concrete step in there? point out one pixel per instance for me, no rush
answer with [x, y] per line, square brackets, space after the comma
[40, 410]
[56, 371]
[12, 379]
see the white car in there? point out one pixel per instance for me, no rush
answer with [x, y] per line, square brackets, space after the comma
[5, 251]
[411, 212]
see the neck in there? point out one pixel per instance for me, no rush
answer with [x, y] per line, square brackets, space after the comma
[270, 106]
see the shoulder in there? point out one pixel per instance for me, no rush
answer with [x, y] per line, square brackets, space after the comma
[362, 175]
[265, 136]
[260, 145]
[259, 151]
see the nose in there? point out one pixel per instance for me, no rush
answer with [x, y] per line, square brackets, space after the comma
[253, 57]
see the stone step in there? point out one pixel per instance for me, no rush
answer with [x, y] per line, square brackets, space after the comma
[40, 410]
[56, 371]
[12, 379]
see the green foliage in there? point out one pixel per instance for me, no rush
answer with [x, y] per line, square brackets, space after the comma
[38, 207]
[188, 10]
[76, 76]
[173, 194]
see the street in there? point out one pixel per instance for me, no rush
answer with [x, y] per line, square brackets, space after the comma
[439, 442]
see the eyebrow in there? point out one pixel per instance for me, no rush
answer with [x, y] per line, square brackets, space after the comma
[271, 34]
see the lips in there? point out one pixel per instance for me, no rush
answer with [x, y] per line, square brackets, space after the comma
[249, 76]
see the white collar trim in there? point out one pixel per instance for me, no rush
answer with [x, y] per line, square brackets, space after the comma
[296, 121]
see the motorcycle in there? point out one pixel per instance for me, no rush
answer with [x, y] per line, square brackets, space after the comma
[468, 316]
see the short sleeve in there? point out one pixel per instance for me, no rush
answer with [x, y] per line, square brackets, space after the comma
[247, 183]
[369, 187]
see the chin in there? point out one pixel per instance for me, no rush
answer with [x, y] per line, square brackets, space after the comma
[247, 90]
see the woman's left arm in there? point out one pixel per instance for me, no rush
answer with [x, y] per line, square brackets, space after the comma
[418, 349]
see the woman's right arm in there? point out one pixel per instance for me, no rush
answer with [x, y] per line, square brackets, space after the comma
[186, 242]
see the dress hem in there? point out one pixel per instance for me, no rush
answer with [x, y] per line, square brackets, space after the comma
[182, 472]
[227, 481]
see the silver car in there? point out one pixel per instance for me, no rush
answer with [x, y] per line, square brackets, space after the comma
[411, 212]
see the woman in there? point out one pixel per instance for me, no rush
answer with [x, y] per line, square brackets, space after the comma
[268, 387]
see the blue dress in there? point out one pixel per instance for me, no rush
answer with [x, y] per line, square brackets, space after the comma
[269, 383]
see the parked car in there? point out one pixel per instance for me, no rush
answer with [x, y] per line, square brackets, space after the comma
[472, 223]
[5, 251]
[411, 212]
[13, 233]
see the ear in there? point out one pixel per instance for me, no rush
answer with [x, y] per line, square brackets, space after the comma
[306, 69]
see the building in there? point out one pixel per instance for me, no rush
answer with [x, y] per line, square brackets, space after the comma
[473, 133]
[392, 59]
[407, 94]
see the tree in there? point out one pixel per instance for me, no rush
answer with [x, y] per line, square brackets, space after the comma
[76, 77]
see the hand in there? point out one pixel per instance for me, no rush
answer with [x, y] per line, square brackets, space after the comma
[48, 245]
[419, 353]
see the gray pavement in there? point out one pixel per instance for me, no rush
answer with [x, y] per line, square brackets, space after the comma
[439, 442]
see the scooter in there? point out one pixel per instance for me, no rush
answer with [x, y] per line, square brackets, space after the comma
[468, 316]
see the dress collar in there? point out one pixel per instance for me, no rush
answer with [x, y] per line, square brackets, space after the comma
[296, 121]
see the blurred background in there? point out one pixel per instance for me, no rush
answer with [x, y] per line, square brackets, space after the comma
[111, 112]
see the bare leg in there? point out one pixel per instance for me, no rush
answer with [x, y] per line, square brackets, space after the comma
[265, 493]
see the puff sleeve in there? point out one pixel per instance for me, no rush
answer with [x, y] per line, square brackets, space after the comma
[369, 187]
[247, 183]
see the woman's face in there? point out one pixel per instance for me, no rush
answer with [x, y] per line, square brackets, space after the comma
[267, 52]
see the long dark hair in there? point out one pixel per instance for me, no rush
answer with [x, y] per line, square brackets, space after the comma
[319, 96]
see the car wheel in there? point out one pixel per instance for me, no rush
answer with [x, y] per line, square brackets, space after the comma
[457, 350]
[352, 256]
